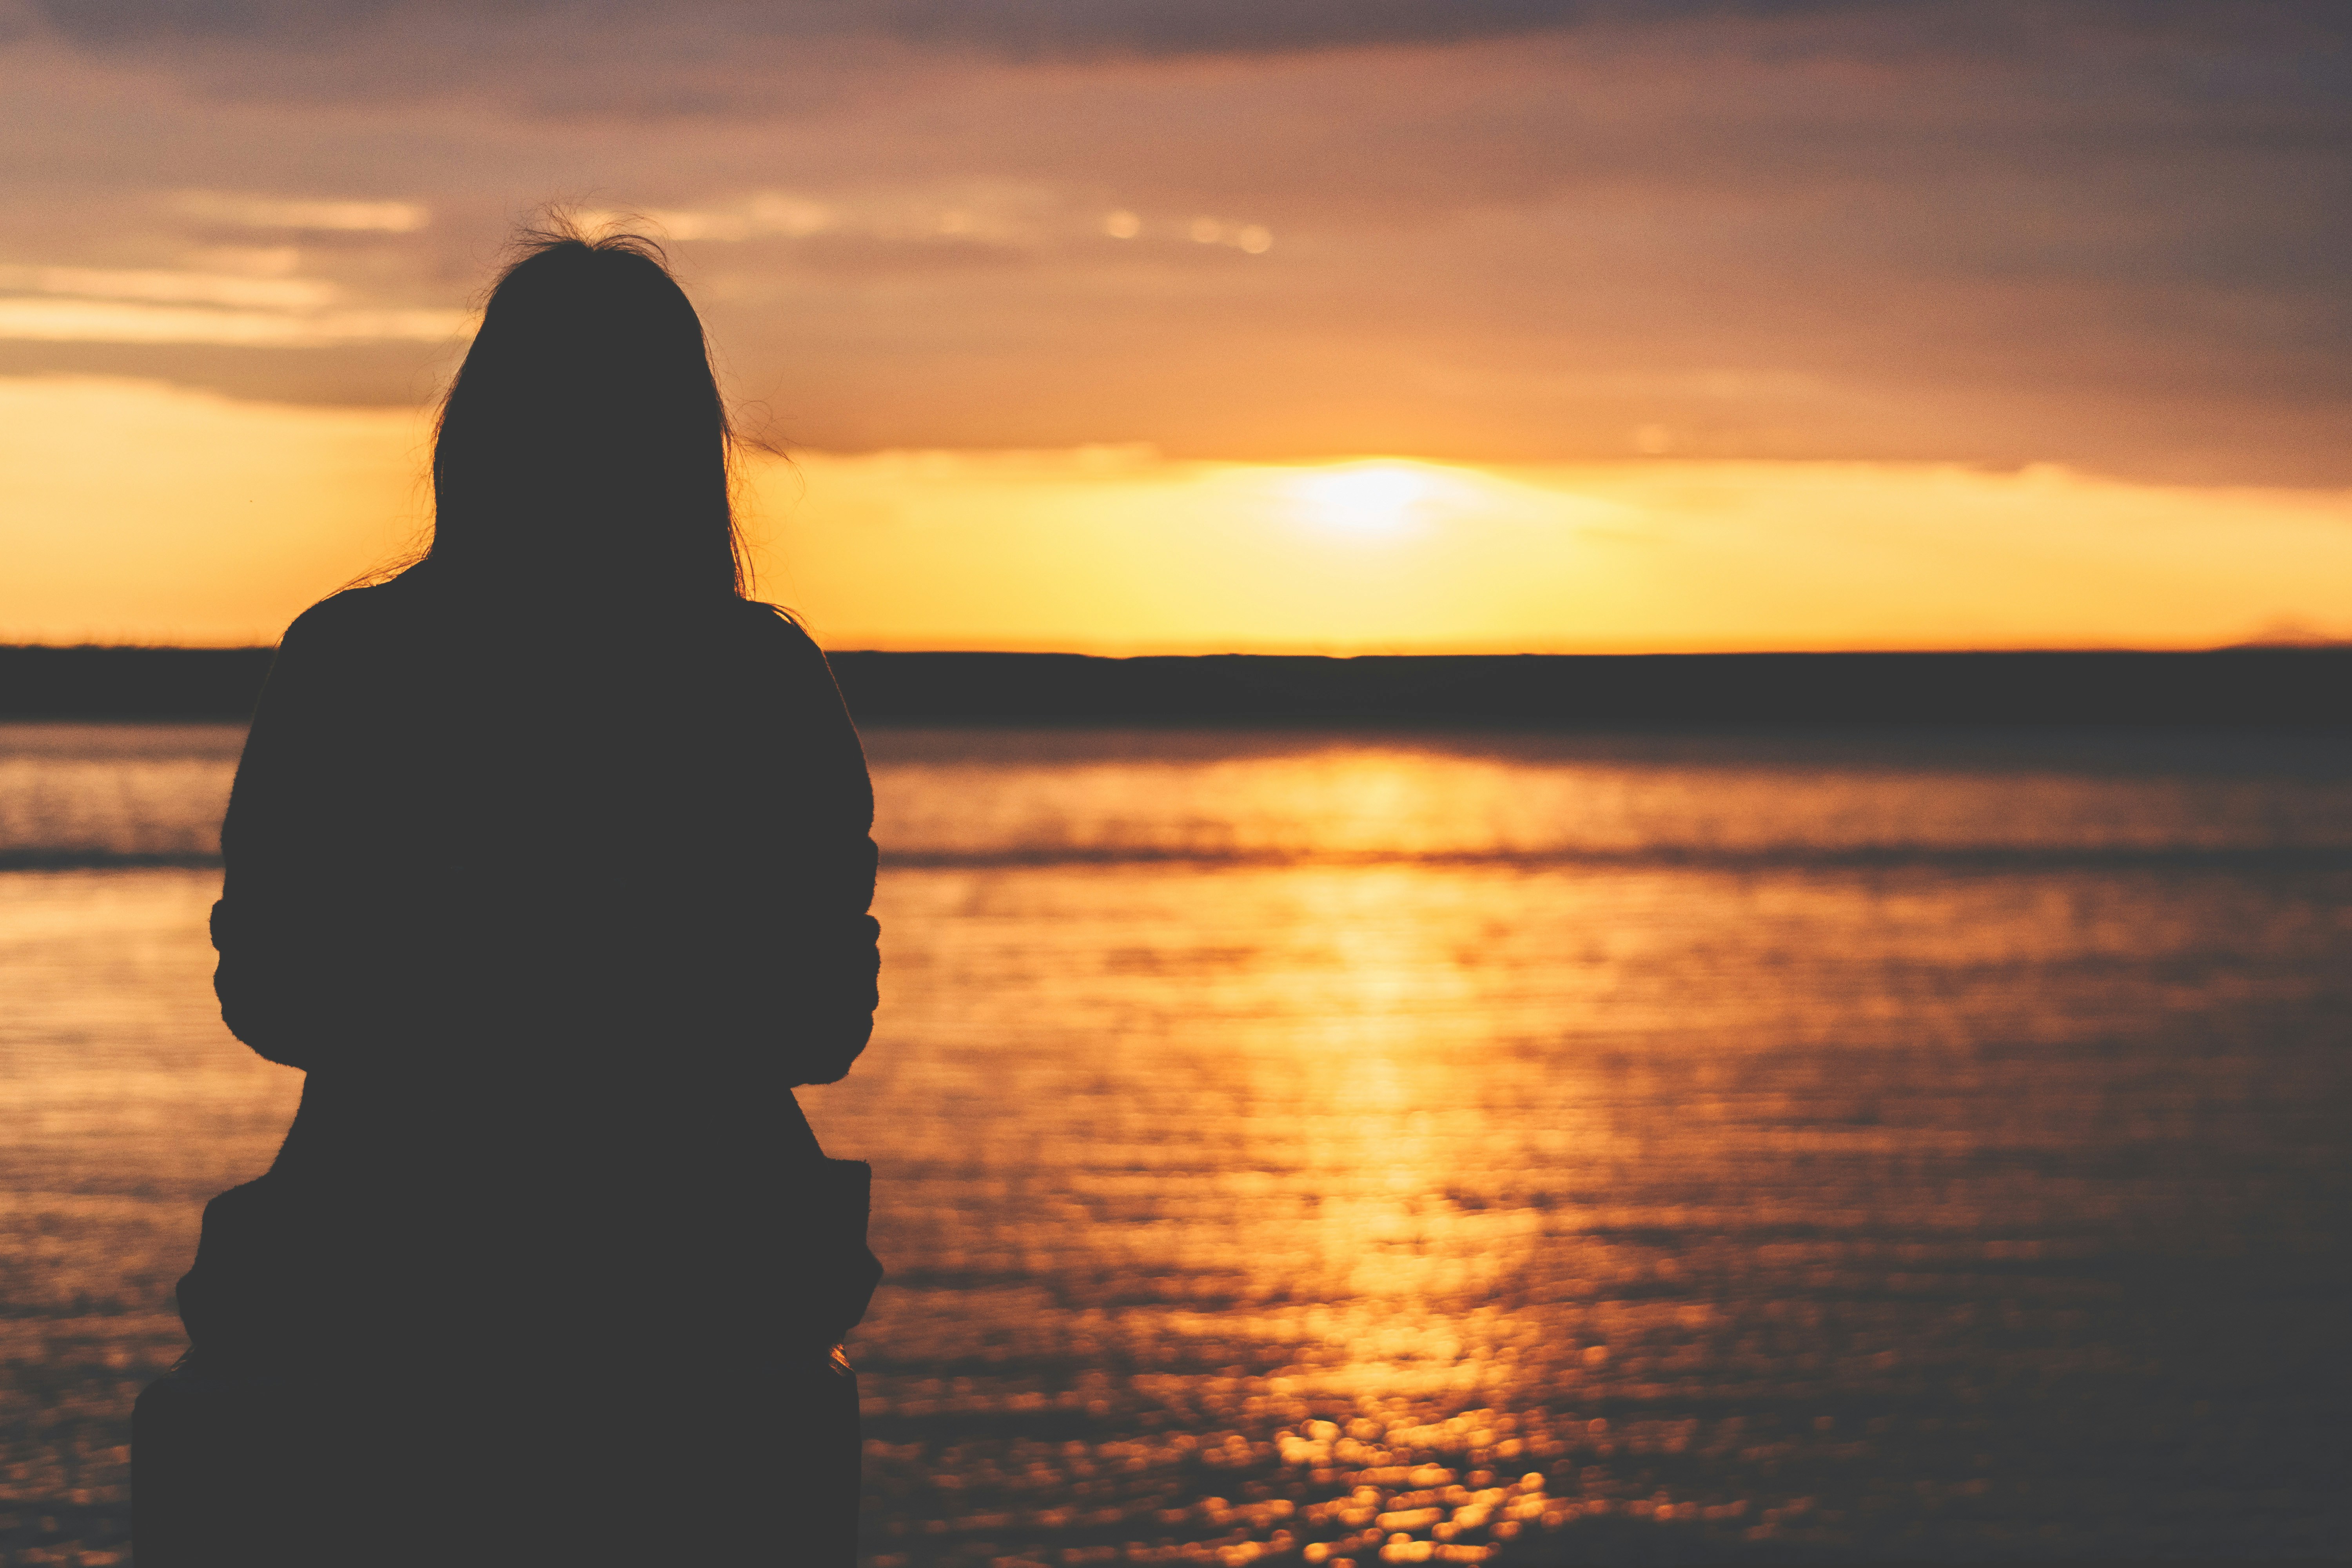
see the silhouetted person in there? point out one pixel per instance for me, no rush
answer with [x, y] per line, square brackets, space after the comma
[548, 861]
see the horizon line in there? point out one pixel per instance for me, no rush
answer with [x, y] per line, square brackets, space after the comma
[2294, 645]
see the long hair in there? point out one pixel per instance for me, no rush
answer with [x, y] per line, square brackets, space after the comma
[584, 446]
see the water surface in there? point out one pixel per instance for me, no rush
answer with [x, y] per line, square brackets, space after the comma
[1315, 1147]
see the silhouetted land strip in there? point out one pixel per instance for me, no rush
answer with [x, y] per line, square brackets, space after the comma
[2253, 687]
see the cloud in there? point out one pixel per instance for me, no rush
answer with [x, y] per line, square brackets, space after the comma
[92, 321]
[248, 211]
[1024, 28]
[1107, 29]
[1965, 229]
[171, 287]
[110, 305]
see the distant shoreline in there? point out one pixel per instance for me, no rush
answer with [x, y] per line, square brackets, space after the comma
[2298, 688]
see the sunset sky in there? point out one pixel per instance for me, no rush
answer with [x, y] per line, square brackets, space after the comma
[1188, 324]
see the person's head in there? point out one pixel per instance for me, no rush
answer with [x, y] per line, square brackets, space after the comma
[583, 444]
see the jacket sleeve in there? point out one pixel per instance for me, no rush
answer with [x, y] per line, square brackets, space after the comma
[282, 949]
[834, 956]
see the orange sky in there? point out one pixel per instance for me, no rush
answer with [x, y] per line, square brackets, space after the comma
[1667, 323]
[134, 511]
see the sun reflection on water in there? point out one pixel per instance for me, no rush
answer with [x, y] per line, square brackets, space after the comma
[1401, 1200]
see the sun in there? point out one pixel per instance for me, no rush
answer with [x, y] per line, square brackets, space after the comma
[1367, 499]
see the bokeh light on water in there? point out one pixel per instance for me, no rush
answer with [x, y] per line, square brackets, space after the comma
[1325, 1149]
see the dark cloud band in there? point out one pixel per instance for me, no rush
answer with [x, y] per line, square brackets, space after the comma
[1093, 27]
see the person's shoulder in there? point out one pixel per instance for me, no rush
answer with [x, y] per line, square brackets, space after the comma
[772, 627]
[774, 620]
[783, 653]
[353, 614]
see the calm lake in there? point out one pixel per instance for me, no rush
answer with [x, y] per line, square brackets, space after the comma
[1331, 1147]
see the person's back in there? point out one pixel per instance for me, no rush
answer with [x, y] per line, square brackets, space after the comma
[510, 835]
[554, 895]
